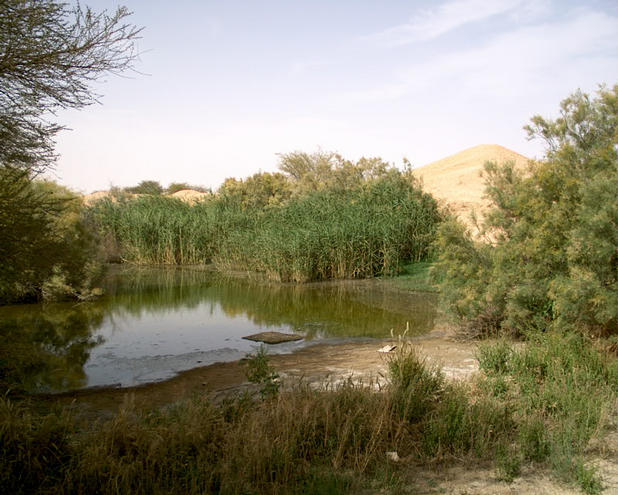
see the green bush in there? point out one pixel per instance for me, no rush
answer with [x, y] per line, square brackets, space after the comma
[552, 257]
[259, 371]
[48, 249]
[146, 187]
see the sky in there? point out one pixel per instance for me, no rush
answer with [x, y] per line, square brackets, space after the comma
[222, 87]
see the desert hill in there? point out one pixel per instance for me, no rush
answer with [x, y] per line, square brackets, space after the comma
[186, 195]
[92, 198]
[457, 179]
[190, 195]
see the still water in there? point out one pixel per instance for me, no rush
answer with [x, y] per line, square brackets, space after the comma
[154, 323]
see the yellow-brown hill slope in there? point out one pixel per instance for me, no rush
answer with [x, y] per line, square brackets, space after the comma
[186, 195]
[457, 179]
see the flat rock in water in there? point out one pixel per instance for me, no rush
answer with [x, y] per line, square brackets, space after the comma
[273, 337]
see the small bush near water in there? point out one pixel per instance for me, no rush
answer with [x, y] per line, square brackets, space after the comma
[332, 440]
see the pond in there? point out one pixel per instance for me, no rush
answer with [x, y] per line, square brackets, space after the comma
[154, 323]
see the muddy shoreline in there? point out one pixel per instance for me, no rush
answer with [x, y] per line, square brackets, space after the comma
[324, 363]
[317, 364]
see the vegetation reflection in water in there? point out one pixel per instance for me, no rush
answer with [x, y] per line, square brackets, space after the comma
[45, 348]
[153, 323]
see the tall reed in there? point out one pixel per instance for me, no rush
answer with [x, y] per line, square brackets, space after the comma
[334, 233]
[156, 230]
[328, 234]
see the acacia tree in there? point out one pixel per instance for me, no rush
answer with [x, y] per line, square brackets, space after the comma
[50, 53]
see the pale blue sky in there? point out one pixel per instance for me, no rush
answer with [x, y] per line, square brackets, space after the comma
[230, 84]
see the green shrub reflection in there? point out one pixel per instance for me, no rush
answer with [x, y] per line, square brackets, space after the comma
[44, 348]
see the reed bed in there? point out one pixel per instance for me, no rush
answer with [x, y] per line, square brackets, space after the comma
[361, 232]
[155, 230]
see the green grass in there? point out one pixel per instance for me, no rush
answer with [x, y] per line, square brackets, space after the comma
[558, 386]
[415, 277]
[331, 440]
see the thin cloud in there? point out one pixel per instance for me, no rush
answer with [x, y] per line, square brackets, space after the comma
[432, 23]
[301, 67]
[513, 62]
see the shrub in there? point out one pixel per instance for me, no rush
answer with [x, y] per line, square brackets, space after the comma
[259, 371]
[552, 262]
[48, 250]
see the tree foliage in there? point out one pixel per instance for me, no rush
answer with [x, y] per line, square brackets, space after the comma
[47, 247]
[146, 187]
[553, 259]
[258, 191]
[179, 186]
[50, 53]
[323, 170]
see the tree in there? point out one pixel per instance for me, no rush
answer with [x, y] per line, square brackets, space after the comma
[258, 191]
[146, 187]
[554, 259]
[47, 251]
[50, 53]
[321, 171]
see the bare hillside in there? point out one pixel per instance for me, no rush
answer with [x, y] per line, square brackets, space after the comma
[186, 195]
[190, 195]
[457, 179]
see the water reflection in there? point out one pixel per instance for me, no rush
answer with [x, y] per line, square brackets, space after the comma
[45, 348]
[334, 309]
[153, 323]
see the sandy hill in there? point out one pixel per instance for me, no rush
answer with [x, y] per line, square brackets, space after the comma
[92, 198]
[458, 181]
[187, 195]
[190, 195]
